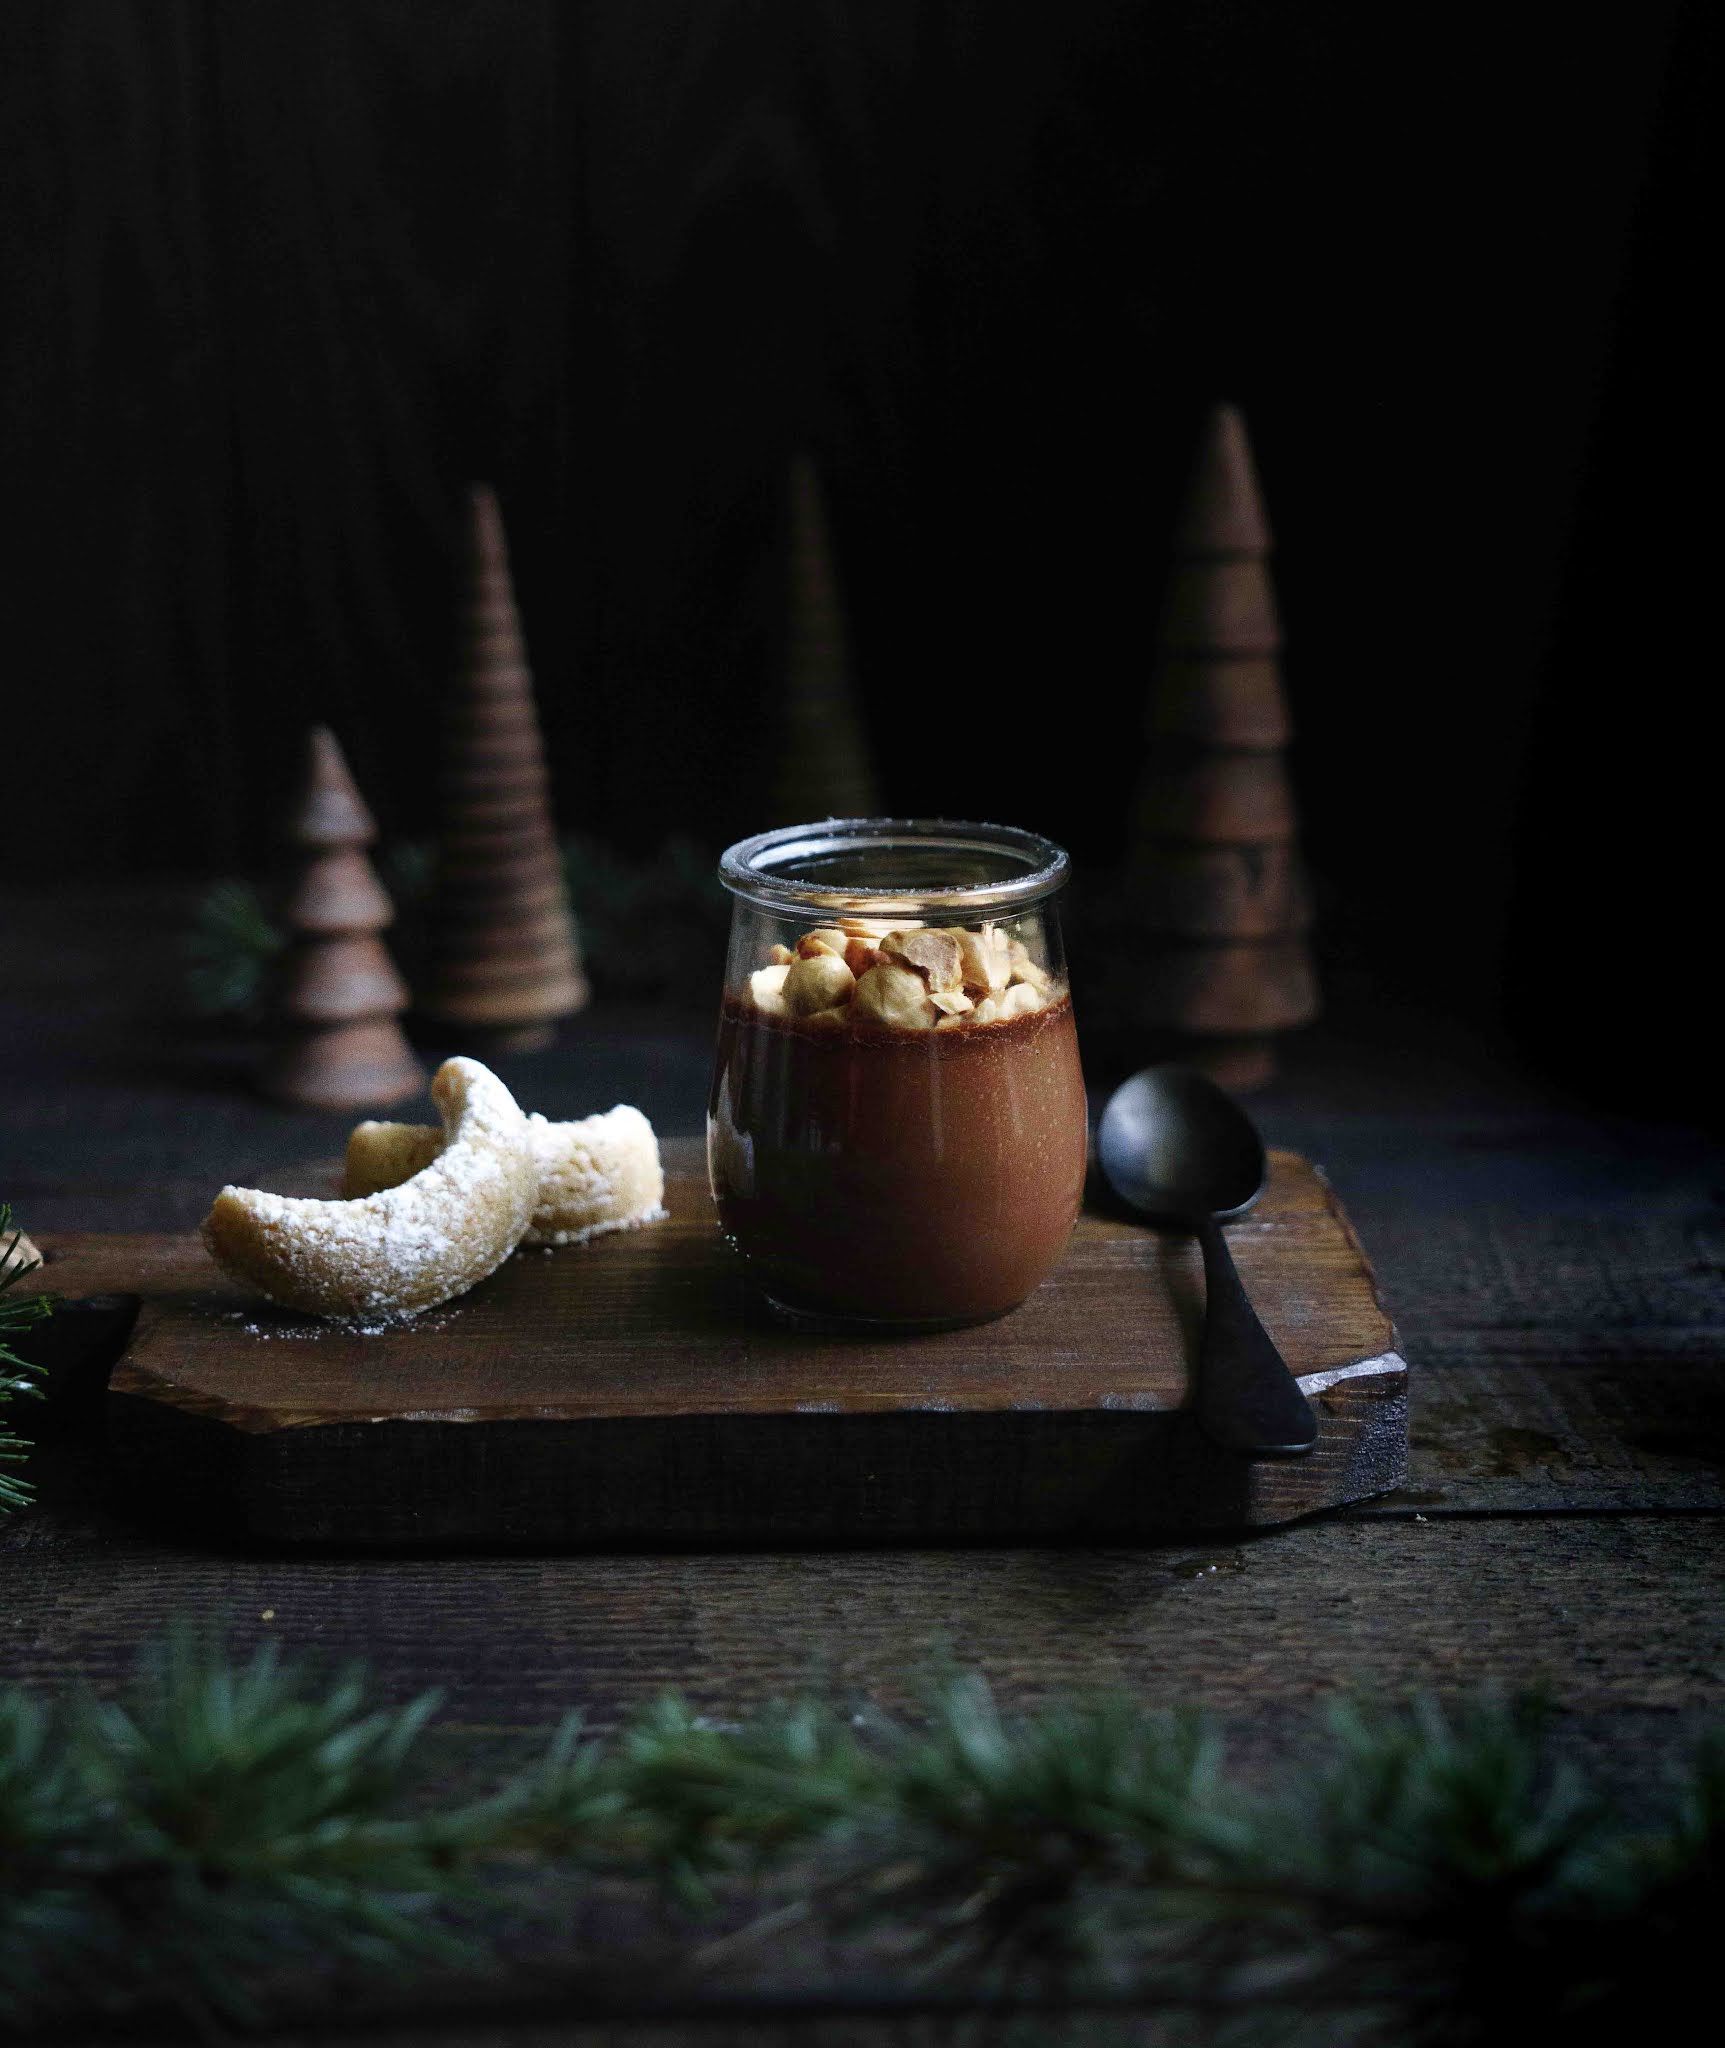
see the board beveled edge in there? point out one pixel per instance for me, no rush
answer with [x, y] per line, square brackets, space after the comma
[765, 1479]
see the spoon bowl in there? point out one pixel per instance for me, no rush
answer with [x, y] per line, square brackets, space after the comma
[1172, 1144]
[1175, 1147]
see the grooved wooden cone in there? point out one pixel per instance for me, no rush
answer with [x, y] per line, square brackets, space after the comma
[365, 1064]
[1225, 607]
[475, 907]
[1221, 700]
[504, 959]
[824, 769]
[1213, 879]
[336, 994]
[335, 980]
[1224, 509]
[338, 892]
[1241, 1063]
[1221, 892]
[1229, 990]
[330, 810]
[1215, 799]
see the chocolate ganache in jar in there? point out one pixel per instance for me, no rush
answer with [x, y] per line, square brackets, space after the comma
[896, 1134]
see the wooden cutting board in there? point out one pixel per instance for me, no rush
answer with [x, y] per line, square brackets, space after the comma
[631, 1392]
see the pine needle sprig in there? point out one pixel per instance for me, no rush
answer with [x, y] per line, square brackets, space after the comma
[713, 1800]
[229, 950]
[1016, 1843]
[18, 1376]
[224, 1838]
[218, 1828]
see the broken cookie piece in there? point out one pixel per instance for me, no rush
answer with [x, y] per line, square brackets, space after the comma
[17, 1254]
[595, 1174]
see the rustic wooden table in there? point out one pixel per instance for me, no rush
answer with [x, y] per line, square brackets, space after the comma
[1555, 1275]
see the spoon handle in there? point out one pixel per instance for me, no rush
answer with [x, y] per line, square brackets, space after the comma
[1246, 1400]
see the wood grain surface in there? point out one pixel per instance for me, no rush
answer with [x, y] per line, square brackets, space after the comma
[632, 1390]
[1555, 1275]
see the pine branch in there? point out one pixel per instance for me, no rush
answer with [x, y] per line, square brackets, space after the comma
[229, 949]
[224, 1839]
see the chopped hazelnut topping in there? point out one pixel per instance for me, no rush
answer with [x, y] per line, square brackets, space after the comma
[767, 986]
[934, 955]
[1024, 969]
[1019, 1000]
[890, 994]
[817, 982]
[982, 964]
[907, 975]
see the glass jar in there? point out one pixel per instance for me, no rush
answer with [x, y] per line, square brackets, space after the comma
[897, 1132]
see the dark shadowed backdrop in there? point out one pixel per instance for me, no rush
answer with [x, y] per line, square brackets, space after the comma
[276, 279]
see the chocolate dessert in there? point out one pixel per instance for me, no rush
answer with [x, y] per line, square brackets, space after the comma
[897, 1127]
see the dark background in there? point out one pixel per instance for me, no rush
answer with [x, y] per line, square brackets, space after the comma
[276, 278]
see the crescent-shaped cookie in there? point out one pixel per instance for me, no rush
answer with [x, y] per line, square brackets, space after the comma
[17, 1252]
[404, 1248]
[597, 1173]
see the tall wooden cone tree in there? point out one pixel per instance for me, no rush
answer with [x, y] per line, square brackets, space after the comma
[504, 965]
[823, 768]
[337, 996]
[1215, 882]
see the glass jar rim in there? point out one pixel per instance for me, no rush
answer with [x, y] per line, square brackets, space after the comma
[748, 868]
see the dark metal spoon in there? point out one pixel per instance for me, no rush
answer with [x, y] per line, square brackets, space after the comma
[1177, 1148]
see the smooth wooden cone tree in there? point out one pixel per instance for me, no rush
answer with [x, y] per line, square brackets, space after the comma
[1216, 892]
[823, 768]
[337, 996]
[504, 961]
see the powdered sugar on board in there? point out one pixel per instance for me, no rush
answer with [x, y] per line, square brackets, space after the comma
[282, 1326]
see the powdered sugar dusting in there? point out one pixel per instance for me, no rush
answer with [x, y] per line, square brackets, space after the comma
[596, 1174]
[403, 1249]
[286, 1328]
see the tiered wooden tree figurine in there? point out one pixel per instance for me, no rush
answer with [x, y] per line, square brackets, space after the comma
[504, 964]
[823, 767]
[1215, 878]
[337, 995]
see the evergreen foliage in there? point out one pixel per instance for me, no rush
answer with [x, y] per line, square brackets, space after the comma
[227, 1840]
[229, 950]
